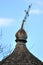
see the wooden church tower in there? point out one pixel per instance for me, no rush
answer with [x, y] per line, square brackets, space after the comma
[21, 55]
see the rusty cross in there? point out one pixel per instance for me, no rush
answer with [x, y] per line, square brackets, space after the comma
[27, 14]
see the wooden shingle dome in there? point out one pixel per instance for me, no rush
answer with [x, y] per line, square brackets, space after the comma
[21, 55]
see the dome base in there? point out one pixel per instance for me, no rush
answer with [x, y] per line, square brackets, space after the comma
[20, 40]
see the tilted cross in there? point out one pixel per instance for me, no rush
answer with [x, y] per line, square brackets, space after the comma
[27, 14]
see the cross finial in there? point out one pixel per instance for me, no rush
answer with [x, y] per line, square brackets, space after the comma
[27, 14]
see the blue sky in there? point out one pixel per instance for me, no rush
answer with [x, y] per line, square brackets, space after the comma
[11, 16]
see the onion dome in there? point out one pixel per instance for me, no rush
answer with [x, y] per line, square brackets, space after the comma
[21, 35]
